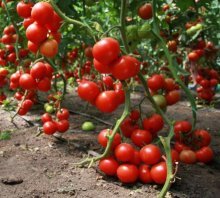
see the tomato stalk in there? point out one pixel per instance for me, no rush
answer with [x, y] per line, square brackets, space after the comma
[166, 144]
[156, 107]
[171, 64]
[125, 113]
[72, 21]
[18, 109]
[16, 29]
[122, 25]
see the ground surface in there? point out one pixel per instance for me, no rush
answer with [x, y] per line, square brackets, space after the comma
[43, 166]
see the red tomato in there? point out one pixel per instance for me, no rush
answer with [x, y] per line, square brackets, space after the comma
[128, 126]
[135, 115]
[150, 154]
[18, 96]
[38, 70]
[120, 96]
[108, 166]
[9, 30]
[44, 84]
[24, 9]
[144, 174]
[181, 129]
[136, 159]
[88, 91]
[49, 127]
[49, 48]
[172, 45]
[42, 12]
[46, 117]
[202, 137]
[175, 155]
[125, 67]
[205, 154]
[50, 70]
[108, 81]
[15, 77]
[11, 57]
[204, 83]
[7, 39]
[188, 156]
[103, 140]
[3, 72]
[193, 56]
[156, 82]
[159, 173]
[27, 22]
[169, 84]
[88, 52]
[127, 173]
[101, 68]
[36, 33]
[106, 50]
[172, 97]
[145, 11]
[33, 47]
[141, 137]
[107, 101]
[153, 124]
[63, 114]
[62, 126]
[22, 111]
[180, 146]
[27, 104]
[55, 24]
[213, 82]
[124, 152]
[26, 81]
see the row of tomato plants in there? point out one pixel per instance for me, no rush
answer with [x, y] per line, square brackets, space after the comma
[104, 81]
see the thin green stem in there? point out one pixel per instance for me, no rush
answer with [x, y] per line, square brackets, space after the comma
[156, 107]
[114, 131]
[72, 21]
[171, 64]
[122, 25]
[110, 29]
[166, 144]
[18, 109]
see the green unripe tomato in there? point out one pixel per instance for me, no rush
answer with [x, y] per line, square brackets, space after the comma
[160, 101]
[49, 108]
[88, 126]
[144, 31]
[132, 32]
[194, 29]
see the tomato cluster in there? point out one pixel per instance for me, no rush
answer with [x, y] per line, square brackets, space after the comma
[192, 146]
[207, 79]
[164, 90]
[107, 60]
[42, 24]
[59, 124]
[106, 95]
[138, 160]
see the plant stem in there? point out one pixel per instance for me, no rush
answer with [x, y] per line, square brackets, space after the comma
[122, 24]
[171, 64]
[72, 21]
[156, 107]
[166, 144]
[18, 109]
[114, 131]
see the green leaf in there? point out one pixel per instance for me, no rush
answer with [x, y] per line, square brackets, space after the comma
[184, 4]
